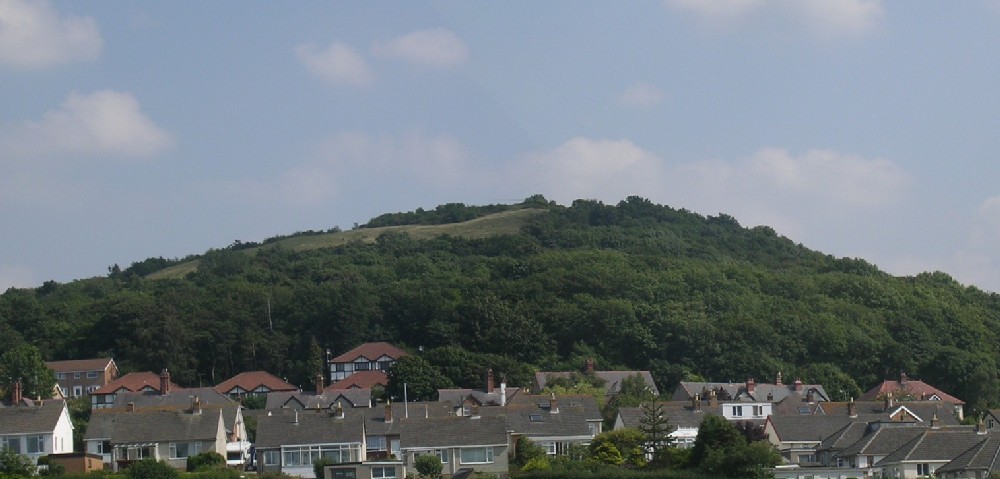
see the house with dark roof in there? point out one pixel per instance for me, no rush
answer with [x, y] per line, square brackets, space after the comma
[291, 440]
[382, 425]
[490, 395]
[253, 383]
[979, 461]
[612, 379]
[375, 358]
[476, 442]
[684, 418]
[182, 398]
[35, 428]
[131, 382]
[752, 391]
[554, 423]
[929, 450]
[125, 436]
[77, 377]
[907, 389]
[850, 451]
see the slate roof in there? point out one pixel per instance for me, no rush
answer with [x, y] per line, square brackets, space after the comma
[678, 413]
[357, 397]
[942, 444]
[79, 365]
[138, 427]
[884, 439]
[180, 399]
[483, 398]
[980, 457]
[739, 392]
[251, 380]
[370, 351]
[291, 427]
[41, 417]
[311, 400]
[612, 379]
[813, 428]
[575, 412]
[375, 417]
[133, 382]
[844, 437]
[440, 432]
[361, 380]
[913, 387]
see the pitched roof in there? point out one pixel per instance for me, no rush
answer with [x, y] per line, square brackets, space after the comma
[79, 365]
[439, 432]
[480, 397]
[41, 417]
[311, 400]
[531, 415]
[134, 382]
[678, 414]
[357, 397]
[882, 439]
[361, 380]
[944, 444]
[740, 392]
[980, 457]
[277, 428]
[612, 379]
[375, 423]
[122, 427]
[370, 351]
[908, 387]
[920, 411]
[806, 428]
[251, 380]
[180, 399]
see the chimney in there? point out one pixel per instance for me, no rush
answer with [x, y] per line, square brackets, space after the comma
[130, 407]
[590, 367]
[195, 405]
[553, 404]
[319, 384]
[503, 392]
[852, 409]
[902, 377]
[712, 399]
[296, 417]
[810, 396]
[751, 385]
[474, 411]
[798, 385]
[164, 382]
[888, 400]
[777, 380]
[696, 403]
[980, 426]
[338, 412]
[18, 393]
[388, 412]
[935, 422]
[489, 381]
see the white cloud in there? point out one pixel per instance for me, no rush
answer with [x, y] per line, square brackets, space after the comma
[16, 277]
[437, 47]
[104, 122]
[642, 95]
[824, 17]
[338, 64]
[33, 36]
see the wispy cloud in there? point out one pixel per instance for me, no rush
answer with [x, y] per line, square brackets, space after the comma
[34, 36]
[822, 17]
[641, 95]
[104, 122]
[437, 47]
[338, 64]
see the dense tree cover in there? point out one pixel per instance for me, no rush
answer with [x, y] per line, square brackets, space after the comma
[636, 285]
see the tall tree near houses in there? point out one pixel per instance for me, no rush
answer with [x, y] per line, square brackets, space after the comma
[24, 363]
[656, 426]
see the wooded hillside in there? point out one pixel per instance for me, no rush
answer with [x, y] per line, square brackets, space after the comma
[635, 285]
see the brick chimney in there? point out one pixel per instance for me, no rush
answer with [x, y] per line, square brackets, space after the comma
[696, 403]
[590, 366]
[319, 384]
[852, 409]
[980, 426]
[489, 381]
[164, 382]
[195, 405]
[777, 380]
[338, 412]
[798, 385]
[713, 399]
[388, 412]
[888, 400]
[751, 385]
[553, 404]
[935, 422]
[18, 393]
[130, 407]
[902, 378]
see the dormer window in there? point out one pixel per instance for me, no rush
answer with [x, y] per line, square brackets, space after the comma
[535, 418]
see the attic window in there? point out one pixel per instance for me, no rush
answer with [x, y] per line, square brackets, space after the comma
[934, 397]
[535, 418]
[804, 410]
[543, 405]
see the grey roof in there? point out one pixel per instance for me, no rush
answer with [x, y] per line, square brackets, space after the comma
[921, 411]
[122, 427]
[980, 457]
[808, 428]
[612, 379]
[181, 399]
[678, 413]
[483, 398]
[311, 400]
[573, 418]
[40, 417]
[942, 444]
[440, 432]
[883, 439]
[293, 426]
[375, 423]
[739, 391]
[844, 437]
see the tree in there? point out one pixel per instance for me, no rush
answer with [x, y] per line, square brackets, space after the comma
[721, 450]
[428, 465]
[628, 443]
[714, 434]
[15, 465]
[525, 450]
[206, 460]
[24, 363]
[151, 469]
[656, 426]
[420, 379]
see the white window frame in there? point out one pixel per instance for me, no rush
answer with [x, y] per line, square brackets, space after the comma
[382, 472]
[551, 447]
[91, 374]
[443, 455]
[487, 450]
[11, 442]
[376, 443]
[737, 411]
[271, 458]
[35, 444]
[191, 449]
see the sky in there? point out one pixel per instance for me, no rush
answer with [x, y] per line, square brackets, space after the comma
[859, 128]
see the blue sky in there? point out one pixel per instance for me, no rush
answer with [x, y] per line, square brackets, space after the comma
[859, 128]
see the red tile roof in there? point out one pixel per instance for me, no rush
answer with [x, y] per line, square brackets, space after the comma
[371, 351]
[79, 365]
[251, 380]
[134, 382]
[919, 390]
[360, 379]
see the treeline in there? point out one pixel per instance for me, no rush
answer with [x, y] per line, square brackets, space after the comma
[635, 285]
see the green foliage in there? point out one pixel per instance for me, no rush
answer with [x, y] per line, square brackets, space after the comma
[428, 465]
[15, 465]
[720, 449]
[525, 451]
[627, 447]
[540, 463]
[24, 363]
[656, 428]
[318, 466]
[151, 469]
[205, 460]
[217, 473]
[605, 453]
[420, 378]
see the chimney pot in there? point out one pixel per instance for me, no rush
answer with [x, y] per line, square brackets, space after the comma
[319, 384]
[852, 409]
[553, 404]
[751, 386]
[164, 382]
[388, 412]
[777, 381]
[489, 381]
[712, 399]
[798, 385]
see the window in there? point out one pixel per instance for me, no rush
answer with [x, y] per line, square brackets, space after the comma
[76, 375]
[362, 366]
[550, 447]
[923, 469]
[11, 442]
[307, 455]
[182, 450]
[758, 411]
[60, 375]
[476, 455]
[343, 473]
[535, 417]
[376, 443]
[36, 444]
[104, 447]
[737, 411]
[91, 374]
[384, 365]
[134, 453]
[77, 391]
[272, 458]
[383, 472]
[443, 455]
[595, 429]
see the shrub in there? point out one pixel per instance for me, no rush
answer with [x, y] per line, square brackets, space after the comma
[205, 460]
[151, 469]
[428, 465]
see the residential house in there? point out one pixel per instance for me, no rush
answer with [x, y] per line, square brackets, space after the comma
[476, 442]
[291, 440]
[131, 382]
[181, 398]
[978, 462]
[852, 451]
[752, 391]
[382, 425]
[77, 377]
[379, 357]
[253, 383]
[554, 423]
[612, 379]
[797, 438]
[932, 448]
[489, 396]
[122, 436]
[907, 389]
[35, 428]
[684, 418]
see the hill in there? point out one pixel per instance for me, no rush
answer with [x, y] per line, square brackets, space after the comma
[529, 286]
